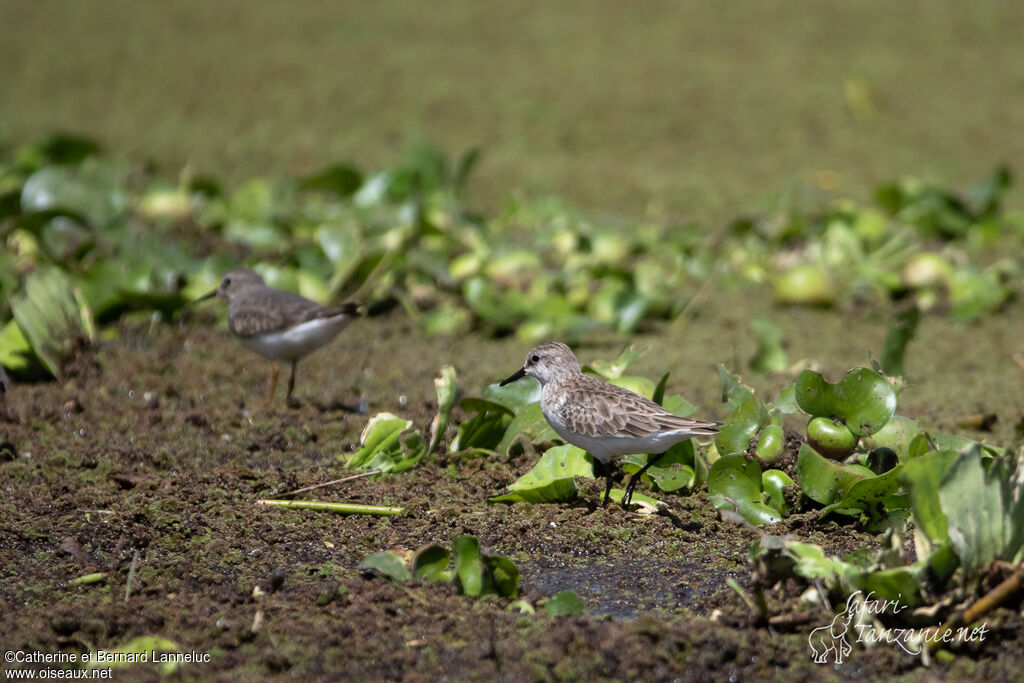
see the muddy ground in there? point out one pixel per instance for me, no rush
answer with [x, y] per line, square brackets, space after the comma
[157, 443]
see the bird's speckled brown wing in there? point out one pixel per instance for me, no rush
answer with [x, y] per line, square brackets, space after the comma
[273, 310]
[595, 408]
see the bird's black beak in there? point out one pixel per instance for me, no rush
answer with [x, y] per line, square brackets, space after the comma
[204, 297]
[519, 374]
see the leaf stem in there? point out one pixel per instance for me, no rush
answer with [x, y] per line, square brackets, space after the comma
[342, 508]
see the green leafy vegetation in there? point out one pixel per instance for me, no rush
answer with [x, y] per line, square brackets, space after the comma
[390, 443]
[552, 479]
[403, 235]
[473, 572]
[966, 524]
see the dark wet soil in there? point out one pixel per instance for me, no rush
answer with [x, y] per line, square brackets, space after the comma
[163, 448]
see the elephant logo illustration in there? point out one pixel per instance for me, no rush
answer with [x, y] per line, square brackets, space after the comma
[830, 639]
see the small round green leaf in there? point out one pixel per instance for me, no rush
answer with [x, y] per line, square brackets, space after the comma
[832, 440]
[771, 444]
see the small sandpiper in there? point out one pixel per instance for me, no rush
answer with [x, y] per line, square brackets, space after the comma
[605, 420]
[278, 325]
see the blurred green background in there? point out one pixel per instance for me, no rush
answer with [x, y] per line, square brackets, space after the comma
[692, 109]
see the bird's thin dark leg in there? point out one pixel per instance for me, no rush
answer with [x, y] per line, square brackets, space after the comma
[601, 468]
[635, 479]
[291, 382]
[608, 476]
[273, 385]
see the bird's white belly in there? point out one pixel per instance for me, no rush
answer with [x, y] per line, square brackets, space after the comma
[296, 342]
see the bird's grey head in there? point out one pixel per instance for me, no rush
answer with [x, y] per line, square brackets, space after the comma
[548, 362]
[238, 282]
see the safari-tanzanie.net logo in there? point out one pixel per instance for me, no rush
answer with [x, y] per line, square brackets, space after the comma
[857, 623]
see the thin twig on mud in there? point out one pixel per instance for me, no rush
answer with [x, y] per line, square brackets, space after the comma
[131, 576]
[331, 483]
[343, 508]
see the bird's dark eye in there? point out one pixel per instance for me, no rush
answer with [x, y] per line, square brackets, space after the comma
[227, 281]
[534, 358]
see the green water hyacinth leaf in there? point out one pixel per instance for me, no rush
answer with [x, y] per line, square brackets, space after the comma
[388, 444]
[899, 583]
[735, 484]
[677, 405]
[490, 303]
[734, 391]
[167, 204]
[563, 604]
[771, 444]
[52, 316]
[770, 355]
[446, 387]
[512, 265]
[922, 476]
[15, 351]
[447, 319]
[984, 509]
[528, 426]
[340, 179]
[806, 284]
[386, 564]
[785, 403]
[431, 562]
[899, 434]
[515, 396]
[638, 385]
[88, 191]
[475, 573]
[484, 430]
[469, 569]
[56, 148]
[863, 399]
[962, 444]
[658, 396]
[631, 308]
[973, 291]
[774, 482]
[830, 438]
[552, 479]
[868, 496]
[478, 574]
[614, 369]
[822, 480]
[677, 469]
[811, 563]
[615, 495]
[741, 426]
[860, 570]
[902, 328]
[342, 246]
[504, 575]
